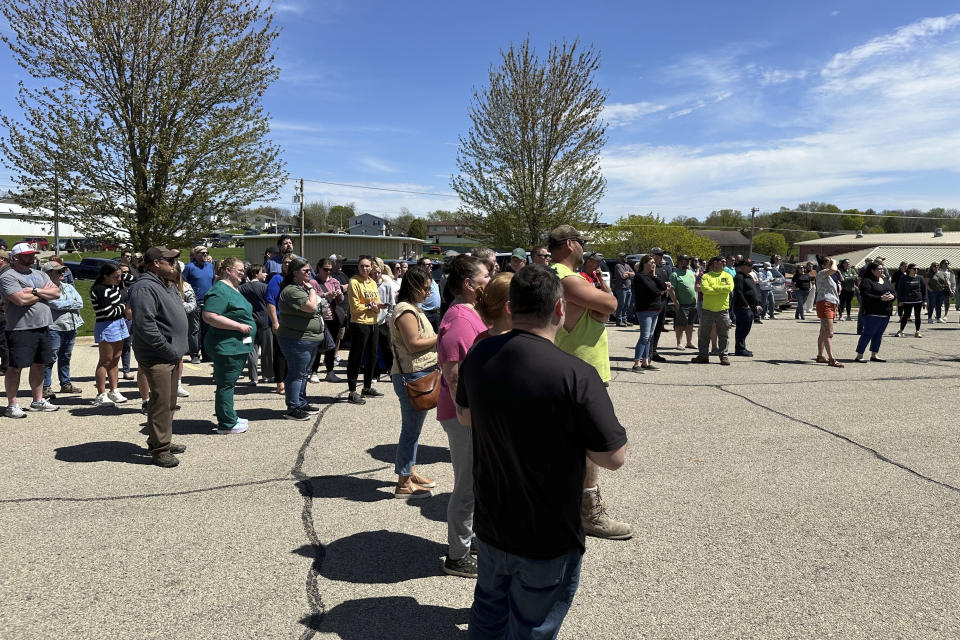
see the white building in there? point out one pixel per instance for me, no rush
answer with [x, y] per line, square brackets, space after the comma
[16, 224]
[367, 224]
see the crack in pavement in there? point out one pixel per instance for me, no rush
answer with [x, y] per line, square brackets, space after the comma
[251, 483]
[846, 439]
[314, 598]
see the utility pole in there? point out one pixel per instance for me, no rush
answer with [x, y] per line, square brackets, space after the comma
[303, 246]
[753, 212]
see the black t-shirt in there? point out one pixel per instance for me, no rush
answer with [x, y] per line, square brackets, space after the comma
[801, 281]
[532, 426]
[255, 291]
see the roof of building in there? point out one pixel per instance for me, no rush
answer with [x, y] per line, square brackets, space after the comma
[894, 255]
[725, 238]
[887, 239]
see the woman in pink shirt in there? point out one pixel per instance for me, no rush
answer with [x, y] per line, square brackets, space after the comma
[459, 328]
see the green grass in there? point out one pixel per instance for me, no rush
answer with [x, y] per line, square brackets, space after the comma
[83, 288]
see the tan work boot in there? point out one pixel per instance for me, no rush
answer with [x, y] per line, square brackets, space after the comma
[597, 523]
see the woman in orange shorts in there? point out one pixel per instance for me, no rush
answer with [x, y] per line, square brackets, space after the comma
[828, 299]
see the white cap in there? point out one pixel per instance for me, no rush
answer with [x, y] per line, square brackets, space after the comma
[24, 248]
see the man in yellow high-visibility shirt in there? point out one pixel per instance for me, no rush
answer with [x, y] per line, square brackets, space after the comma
[716, 285]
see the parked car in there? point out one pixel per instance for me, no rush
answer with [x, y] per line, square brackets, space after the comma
[87, 268]
[41, 243]
[251, 232]
[70, 245]
[3, 244]
[218, 240]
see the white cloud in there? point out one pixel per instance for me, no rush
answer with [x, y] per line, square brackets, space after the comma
[618, 113]
[289, 7]
[891, 119]
[375, 164]
[900, 40]
[780, 76]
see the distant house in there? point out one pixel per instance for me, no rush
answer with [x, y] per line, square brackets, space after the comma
[453, 235]
[367, 224]
[731, 243]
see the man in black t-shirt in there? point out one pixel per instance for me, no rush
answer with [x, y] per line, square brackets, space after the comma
[533, 427]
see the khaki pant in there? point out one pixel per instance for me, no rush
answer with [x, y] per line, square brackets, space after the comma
[163, 398]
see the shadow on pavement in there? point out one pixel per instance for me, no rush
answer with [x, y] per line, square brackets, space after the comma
[426, 454]
[104, 451]
[390, 617]
[188, 427]
[380, 557]
[347, 487]
[434, 508]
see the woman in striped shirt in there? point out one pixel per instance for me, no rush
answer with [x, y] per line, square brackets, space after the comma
[109, 331]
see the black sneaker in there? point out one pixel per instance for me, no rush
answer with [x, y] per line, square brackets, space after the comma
[177, 448]
[370, 392]
[310, 409]
[465, 567]
[296, 414]
[658, 358]
[355, 398]
[165, 459]
[194, 359]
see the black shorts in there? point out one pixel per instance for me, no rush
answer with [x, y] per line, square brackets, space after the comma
[685, 315]
[28, 347]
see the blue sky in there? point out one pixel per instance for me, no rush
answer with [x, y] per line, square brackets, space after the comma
[711, 105]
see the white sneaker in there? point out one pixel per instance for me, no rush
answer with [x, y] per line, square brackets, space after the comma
[182, 393]
[336, 360]
[14, 411]
[898, 334]
[116, 396]
[241, 426]
[941, 321]
[917, 334]
[103, 400]
[314, 378]
[43, 405]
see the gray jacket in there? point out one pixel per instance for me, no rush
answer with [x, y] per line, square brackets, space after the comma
[159, 329]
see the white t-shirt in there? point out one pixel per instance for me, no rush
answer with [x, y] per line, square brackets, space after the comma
[826, 288]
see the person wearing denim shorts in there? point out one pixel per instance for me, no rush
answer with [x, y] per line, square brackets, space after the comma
[530, 461]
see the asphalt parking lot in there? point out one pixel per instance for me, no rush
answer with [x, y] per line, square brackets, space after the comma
[775, 498]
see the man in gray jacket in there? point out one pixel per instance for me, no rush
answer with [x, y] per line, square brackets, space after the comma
[159, 342]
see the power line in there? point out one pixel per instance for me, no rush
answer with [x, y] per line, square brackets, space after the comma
[360, 186]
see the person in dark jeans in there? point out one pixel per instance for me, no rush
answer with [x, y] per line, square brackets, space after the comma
[746, 303]
[530, 534]
[663, 273]
[911, 297]
[801, 289]
[877, 296]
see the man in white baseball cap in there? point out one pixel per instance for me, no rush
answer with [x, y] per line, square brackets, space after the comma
[26, 292]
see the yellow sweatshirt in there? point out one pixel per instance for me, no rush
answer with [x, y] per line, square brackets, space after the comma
[360, 294]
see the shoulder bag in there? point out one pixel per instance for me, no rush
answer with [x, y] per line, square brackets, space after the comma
[424, 391]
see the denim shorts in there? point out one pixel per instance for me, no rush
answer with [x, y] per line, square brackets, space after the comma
[110, 330]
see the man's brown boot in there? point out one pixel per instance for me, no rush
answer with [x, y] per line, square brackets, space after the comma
[597, 523]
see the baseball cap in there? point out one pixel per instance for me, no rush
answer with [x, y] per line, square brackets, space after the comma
[657, 251]
[565, 232]
[159, 253]
[593, 255]
[767, 265]
[519, 253]
[682, 256]
[53, 266]
[24, 248]
[333, 257]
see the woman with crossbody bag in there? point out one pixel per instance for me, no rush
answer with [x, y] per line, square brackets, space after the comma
[414, 344]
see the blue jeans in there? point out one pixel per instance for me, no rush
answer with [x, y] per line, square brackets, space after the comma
[299, 355]
[934, 301]
[411, 423]
[801, 297]
[873, 328]
[646, 320]
[61, 343]
[519, 597]
[768, 303]
[624, 301]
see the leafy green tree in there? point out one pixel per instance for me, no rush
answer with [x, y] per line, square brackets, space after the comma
[151, 124]
[338, 216]
[726, 218]
[441, 215]
[640, 233]
[892, 223]
[418, 228]
[769, 243]
[531, 160]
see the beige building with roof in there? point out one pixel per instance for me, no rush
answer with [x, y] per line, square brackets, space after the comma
[894, 248]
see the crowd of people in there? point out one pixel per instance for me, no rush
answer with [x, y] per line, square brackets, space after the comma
[515, 510]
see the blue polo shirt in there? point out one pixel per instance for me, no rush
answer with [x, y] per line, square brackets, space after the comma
[432, 301]
[200, 278]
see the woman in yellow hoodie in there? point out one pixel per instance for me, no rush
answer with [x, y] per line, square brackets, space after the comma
[364, 307]
[716, 285]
